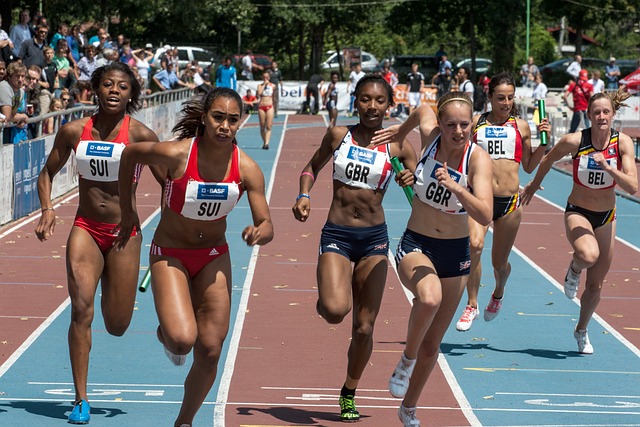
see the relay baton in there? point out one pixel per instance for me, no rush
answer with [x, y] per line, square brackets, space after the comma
[145, 281]
[397, 167]
[541, 115]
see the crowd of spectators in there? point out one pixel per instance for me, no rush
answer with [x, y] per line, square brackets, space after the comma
[53, 69]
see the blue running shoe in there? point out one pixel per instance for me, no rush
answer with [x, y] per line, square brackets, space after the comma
[80, 413]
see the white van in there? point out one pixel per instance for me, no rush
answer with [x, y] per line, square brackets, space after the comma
[367, 60]
[187, 54]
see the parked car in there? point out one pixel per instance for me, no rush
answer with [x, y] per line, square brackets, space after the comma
[262, 60]
[627, 66]
[482, 65]
[367, 60]
[554, 74]
[427, 65]
[187, 54]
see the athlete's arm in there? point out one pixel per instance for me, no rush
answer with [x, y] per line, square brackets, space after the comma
[261, 232]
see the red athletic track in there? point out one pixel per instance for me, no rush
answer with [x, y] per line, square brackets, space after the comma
[284, 343]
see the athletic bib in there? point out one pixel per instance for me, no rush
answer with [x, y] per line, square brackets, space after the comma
[498, 141]
[430, 191]
[99, 160]
[209, 201]
[591, 175]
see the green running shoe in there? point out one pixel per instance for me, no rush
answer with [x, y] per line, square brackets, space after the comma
[348, 411]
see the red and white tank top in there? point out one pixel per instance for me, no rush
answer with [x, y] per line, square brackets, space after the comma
[586, 171]
[194, 198]
[500, 141]
[361, 167]
[427, 187]
[100, 160]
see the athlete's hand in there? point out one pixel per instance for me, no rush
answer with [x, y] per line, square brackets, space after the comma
[302, 209]
[405, 178]
[251, 235]
[544, 125]
[528, 191]
[387, 136]
[599, 158]
[443, 177]
[46, 225]
[128, 222]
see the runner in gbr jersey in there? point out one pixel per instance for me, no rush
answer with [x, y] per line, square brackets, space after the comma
[602, 159]
[98, 142]
[433, 254]
[190, 262]
[355, 231]
[507, 139]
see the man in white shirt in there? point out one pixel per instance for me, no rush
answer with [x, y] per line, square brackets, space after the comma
[466, 85]
[597, 82]
[574, 68]
[354, 77]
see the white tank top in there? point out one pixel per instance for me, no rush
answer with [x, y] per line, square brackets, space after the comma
[361, 167]
[430, 191]
[268, 90]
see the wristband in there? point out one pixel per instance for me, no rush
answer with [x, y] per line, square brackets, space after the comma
[308, 173]
[303, 195]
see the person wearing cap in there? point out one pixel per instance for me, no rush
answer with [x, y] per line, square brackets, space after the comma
[581, 90]
[612, 74]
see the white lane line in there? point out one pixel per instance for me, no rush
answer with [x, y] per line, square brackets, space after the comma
[49, 320]
[234, 342]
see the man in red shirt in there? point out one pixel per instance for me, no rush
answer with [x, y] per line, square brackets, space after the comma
[581, 90]
[249, 100]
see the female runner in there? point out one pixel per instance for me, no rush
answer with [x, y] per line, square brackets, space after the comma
[265, 92]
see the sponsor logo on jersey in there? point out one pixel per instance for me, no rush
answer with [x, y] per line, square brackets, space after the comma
[361, 155]
[212, 192]
[496, 132]
[453, 174]
[612, 151]
[214, 252]
[593, 164]
[99, 149]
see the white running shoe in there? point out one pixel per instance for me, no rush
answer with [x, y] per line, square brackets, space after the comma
[399, 381]
[584, 345]
[571, 282]
[408, 417]
[469, 314]
[176, 359]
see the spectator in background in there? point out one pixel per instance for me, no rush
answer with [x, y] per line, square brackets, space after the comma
[528, 73]
[539, 89]
[313, 86]
[108, 56]
[6, 45]
[20, 32]
[440, 53]
[612, 73]
[275, 77]
[165, 56]
[330, 99]
[415, 83]
[167, 79]
[3, 70]
[464, 84]
[226, 74]
[82, 93]
[49, 71]
[354, 77]
[87, 64]
[33, 90]
[444, 63]
[141, 58]
[31, 51]
[201, 85]
[574, 68]
[249, 64]
[13, 103]
[249, 102]
[444, 82]
[596, 82]
[48, 125]
[581, 90]
[63, 32]
[76, 42]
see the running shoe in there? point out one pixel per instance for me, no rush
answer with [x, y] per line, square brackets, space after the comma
[80, 413]
[348, 411]
[571, 282]
[408, 417]
[492, 309]
[176, 359]
[469, 314]
[399, 381]
[584, 345]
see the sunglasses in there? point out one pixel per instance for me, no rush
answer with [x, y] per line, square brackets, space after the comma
[65, 99]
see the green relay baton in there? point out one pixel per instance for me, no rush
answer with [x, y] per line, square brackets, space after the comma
[146, 280]
[397, 167]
